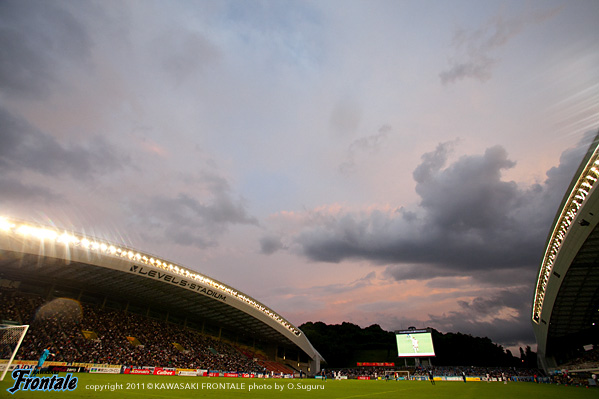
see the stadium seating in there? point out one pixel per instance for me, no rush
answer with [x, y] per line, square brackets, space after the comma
[154, 339]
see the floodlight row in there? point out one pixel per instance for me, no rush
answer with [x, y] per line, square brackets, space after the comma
[104, 248]
[579, 193]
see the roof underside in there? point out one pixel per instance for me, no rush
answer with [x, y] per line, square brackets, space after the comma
[576, 307]
[125, 287]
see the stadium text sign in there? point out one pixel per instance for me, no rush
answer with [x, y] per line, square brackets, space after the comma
[25, 383]
[138, 371]
[160, 371]
[169, 278]
[106, 370]
[187, 372]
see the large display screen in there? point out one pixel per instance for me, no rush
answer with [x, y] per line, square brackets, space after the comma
[414, 343]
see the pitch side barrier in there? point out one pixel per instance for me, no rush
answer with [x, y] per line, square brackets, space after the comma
[197, 372]
[412, 378]
[474, 378]
[49, 366]
[60, 367]
[94, 368]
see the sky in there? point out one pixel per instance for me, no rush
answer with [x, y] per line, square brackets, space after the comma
[376, 162]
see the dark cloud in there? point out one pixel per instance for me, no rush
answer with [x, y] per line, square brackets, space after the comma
[37, 38]
[191, 220]
[24, 147]
[15, 192]
[469, 222]
[503, 317]
[469, 195]
[433, 161]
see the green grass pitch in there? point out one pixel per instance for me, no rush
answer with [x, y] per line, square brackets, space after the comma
[134, 386]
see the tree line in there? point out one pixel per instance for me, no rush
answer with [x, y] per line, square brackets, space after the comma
[345, 344]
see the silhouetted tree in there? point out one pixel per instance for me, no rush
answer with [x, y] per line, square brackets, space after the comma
[339, 344]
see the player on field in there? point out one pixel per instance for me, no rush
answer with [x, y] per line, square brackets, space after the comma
[42, 359]
[431, 377]
[414, 343]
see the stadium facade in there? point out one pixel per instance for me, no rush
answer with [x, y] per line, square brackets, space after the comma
[54, 263]
[565, 311]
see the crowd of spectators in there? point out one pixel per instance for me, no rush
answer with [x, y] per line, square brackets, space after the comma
[358, 372]
[510, 373]
[585, 360]
[115, 337]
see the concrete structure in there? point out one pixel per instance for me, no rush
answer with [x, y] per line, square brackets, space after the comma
[565, 314]
[55, 263]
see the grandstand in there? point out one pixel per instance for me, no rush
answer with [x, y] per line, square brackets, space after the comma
[565, 313]
[133, 308]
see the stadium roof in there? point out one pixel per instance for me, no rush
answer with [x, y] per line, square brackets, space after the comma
[566, 303]
[41, 255]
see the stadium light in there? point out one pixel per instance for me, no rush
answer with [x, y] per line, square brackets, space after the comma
[578, 195]
[5, 225]
[105, 248]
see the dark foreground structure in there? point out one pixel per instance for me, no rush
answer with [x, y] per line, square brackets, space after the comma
[565, 314]
[52, 263]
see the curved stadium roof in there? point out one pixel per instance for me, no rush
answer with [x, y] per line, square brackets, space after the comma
[566, 303]
[43, 255]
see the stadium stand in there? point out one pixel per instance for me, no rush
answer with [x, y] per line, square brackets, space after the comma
[134, 297]
[588, 360]
[565, 316]
[156, 338]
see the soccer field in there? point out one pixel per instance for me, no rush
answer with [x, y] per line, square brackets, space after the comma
[132, 386]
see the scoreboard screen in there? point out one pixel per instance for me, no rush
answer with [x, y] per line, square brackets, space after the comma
[414, 343]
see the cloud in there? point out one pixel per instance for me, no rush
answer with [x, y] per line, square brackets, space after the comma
[469, 194]
[418, 272]
[187, 53]
[471, 245]
[191, 219]
[475, 50]
[469, 221]
[270, 245]
[364, 145]
[16, 192]
[501, 316]
[465, 220]
[37, 38]
[25, 148]
[335, 289]
[433, 161]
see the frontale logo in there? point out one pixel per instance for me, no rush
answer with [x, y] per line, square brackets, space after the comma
[23, 382]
